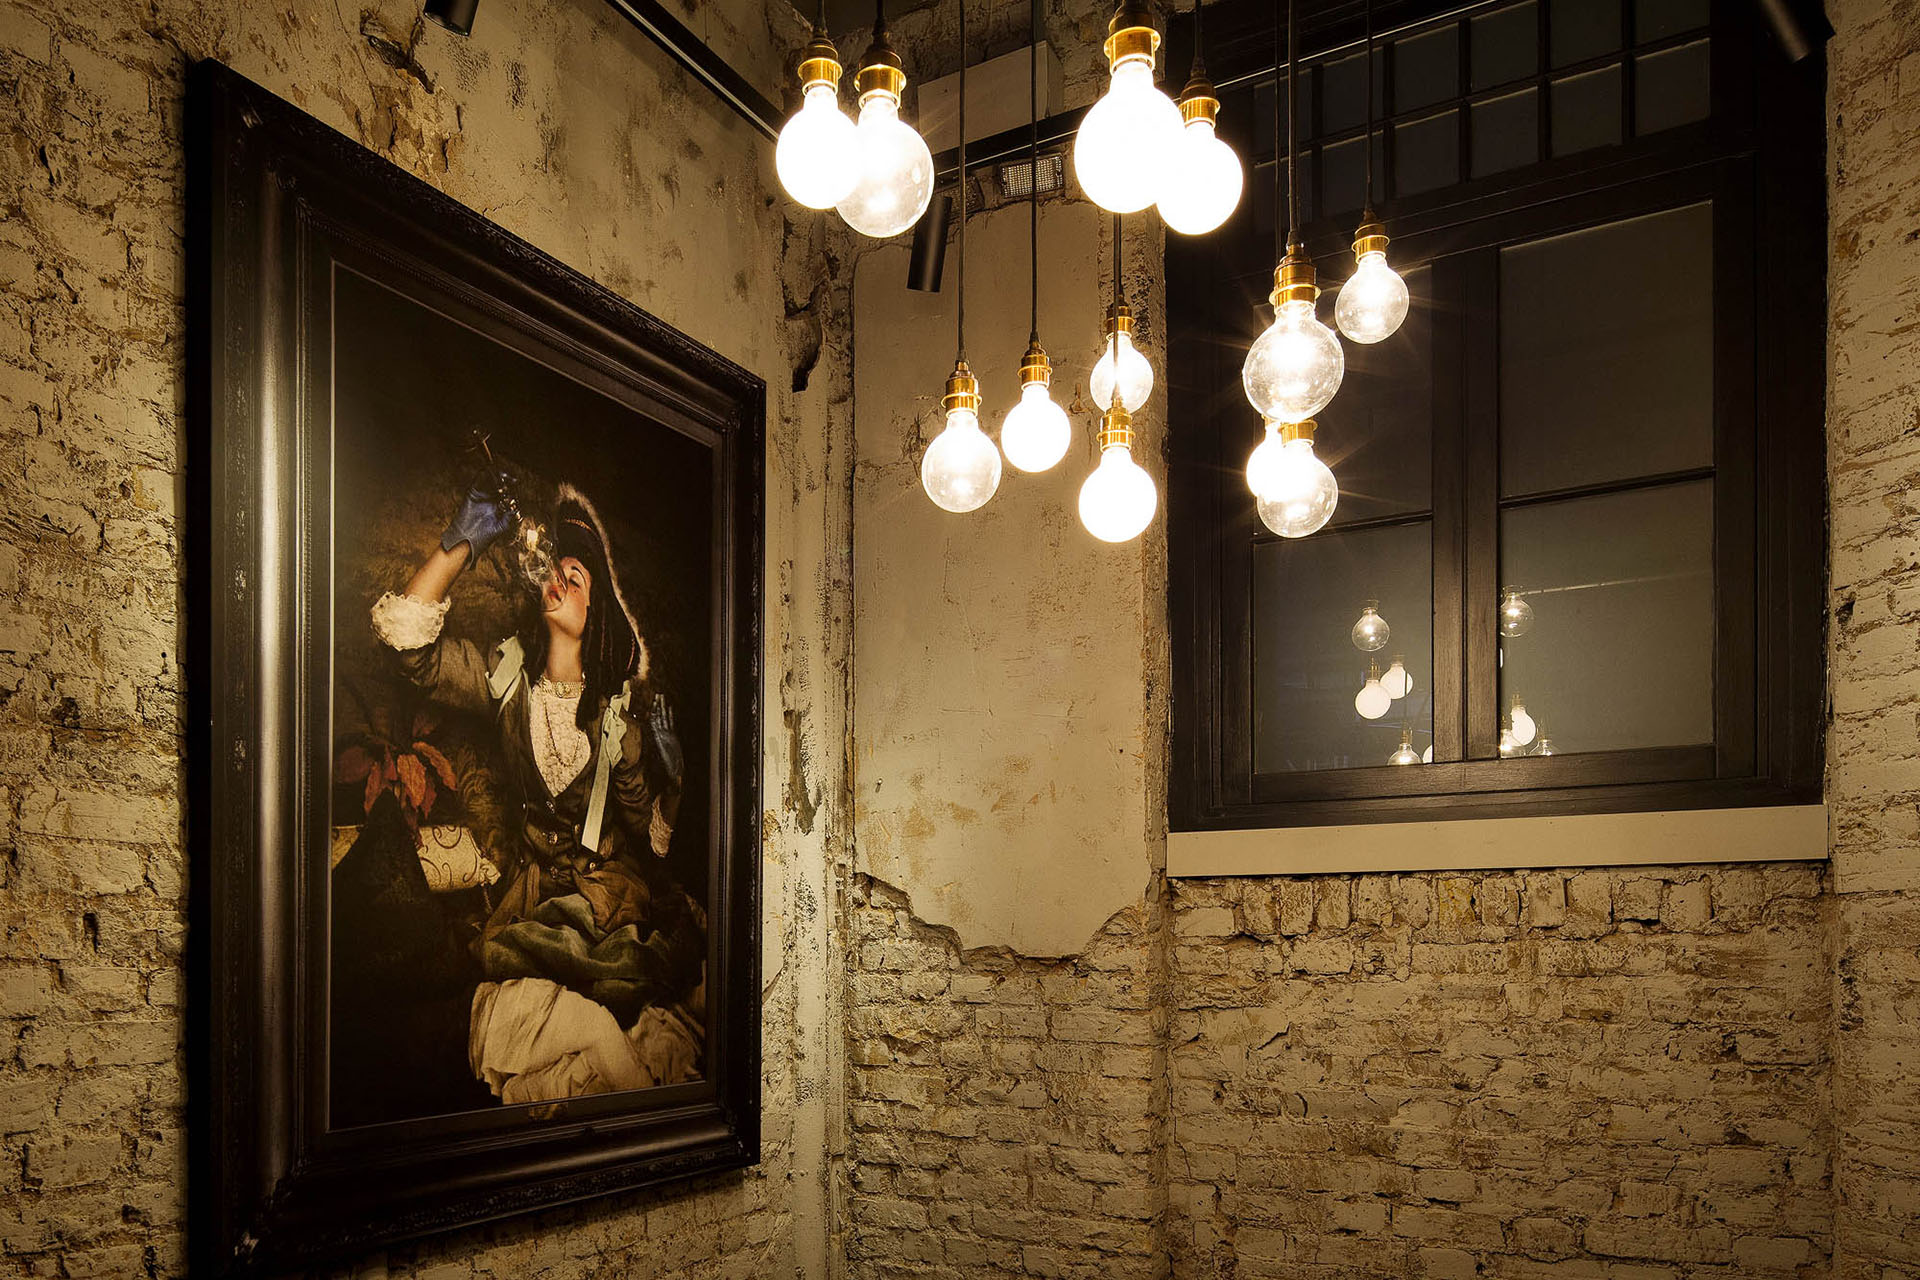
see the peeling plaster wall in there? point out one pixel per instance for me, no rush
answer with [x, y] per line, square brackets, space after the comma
[571, 129]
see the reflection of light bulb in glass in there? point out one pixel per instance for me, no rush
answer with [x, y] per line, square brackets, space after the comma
[1426, 757]
[1406, 754]
[1120, 362]
[1373, 301]
[1372, 701]
[818, 155]
[1507, 745]
[1203, 180]
[1523, 725]
[1371, 633]
[1545, 748]
[1121, 151]
[961, 468]
[1516, 615]
[1397, 681]
[1300, 492]
[896, 171]
[1118, 500]
[1293, 369]
[1036, 432]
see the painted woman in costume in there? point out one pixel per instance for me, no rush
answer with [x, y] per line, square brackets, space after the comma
[594, 958]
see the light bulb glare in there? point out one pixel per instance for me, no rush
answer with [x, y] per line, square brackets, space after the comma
[895, 182]
[818, 155]
[1293, 369]
[1036, 432]
[1118, 500]
[961, 468]
[1371, 633]
[1120, 363]
[1121, 152]
[1302, 493]
[1373, 302]
[1372, 701]
[1203, 181]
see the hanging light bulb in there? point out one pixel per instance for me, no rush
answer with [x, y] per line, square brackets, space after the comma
[1301, 491]
[1397, 681]
[1036, 432]
[1406, 754]
[961, 468]
[1203, 176]
[1120, 364]
[1508, 746]
[1118, 500]
[1373, 302]
[1426, 757]
[1516, 615]
[1372, 701]
[1545, 748]
[1524, 728]
[895, 182]
[1371, 633]
[818, 156]
[1121, 151]
[1294, 368]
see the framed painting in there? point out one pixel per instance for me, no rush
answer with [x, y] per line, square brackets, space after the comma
[475, 753]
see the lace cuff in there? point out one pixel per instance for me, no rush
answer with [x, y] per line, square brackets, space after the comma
[404, 623]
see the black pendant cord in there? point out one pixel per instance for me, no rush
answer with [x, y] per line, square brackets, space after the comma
[1116, 311]
[1033, 170]
[1369, 205]
[960, 309]
[820, 23]
[1293, 187]
[1279, 230]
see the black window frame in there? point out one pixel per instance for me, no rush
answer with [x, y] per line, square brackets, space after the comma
[1760, 157]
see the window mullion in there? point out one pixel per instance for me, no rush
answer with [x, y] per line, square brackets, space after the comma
[1480, 501]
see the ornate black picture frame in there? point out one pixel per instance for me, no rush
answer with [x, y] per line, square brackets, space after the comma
[306, 255]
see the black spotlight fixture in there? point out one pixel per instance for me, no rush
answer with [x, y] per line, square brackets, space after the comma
[1799, 26]
[929, 257]
[455, 15]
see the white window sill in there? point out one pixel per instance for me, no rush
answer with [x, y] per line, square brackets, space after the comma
[1777, 833]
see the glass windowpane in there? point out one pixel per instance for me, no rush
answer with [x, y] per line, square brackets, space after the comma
[1582, 29]
[1619, 651]
[1427, 153]
[1606, 353]
[1653, 19]
[1307, 594]
[1426, 68]
[1343, 91]
[1378, 432]
[1505, 45]
[1671, 88]
[1586, 111]
[1506, 132]
[1343, 173]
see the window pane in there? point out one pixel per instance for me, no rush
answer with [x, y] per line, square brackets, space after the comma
[1506, 45]
[1506, 132]
[1343, 91]
[1377, 434]
[1582, 29]
[1343, 173]
[1426, 154]
[1653, 19]
[1426, 68]
[1307, 594]
[1586, 111]
[1671, 88]
[1606, 353]
[1619, 652]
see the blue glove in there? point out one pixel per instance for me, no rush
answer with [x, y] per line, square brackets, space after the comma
[666, 738]
[482, 517]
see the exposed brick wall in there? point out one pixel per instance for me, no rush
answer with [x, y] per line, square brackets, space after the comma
[1516, 1074]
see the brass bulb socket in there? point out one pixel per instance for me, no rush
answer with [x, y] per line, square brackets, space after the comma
[963, 390]
[1295, 280]
[819, 63]
[1369, 237]
[880, 78]
[1119, 319]
[1291, 431]
[1035, 367]
[1198, 105]
[1116, 428]
[1131, 37]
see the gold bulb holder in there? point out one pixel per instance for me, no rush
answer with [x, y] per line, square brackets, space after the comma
[819, 63]
[1198, 100]
[1131, 37]
[1369, 236]
[1119, 319]
[1291, 431]
[1295, 280]
[1116, 428]
[881, 70]
[963, 390]
[1035, 367]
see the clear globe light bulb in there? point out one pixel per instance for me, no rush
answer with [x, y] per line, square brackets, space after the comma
[1372, 701]
[1264, 463]
[1397, 681]
[1121, 152]
[818, 155]
[1426, 757]
[1406, 754]
[1545, 748]
[1120, 363]
[1507, 744]
[895, 180]
[1293, 369]
[1203, 181]
[1373, 302]
[1371, 633]
[1036, 432]
[1524, 728]
[1303, 495]
[961, 468]
[1118, 500]
[1516, 615]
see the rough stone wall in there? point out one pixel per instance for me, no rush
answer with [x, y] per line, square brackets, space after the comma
[569, 128]
[1565, 1074]
[1873, 780]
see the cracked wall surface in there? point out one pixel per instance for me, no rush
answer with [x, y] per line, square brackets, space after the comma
[569, 128]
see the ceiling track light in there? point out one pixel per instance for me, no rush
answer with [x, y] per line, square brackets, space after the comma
[455, 15]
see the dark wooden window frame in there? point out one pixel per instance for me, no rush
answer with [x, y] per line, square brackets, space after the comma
[1760, 159]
